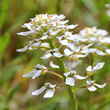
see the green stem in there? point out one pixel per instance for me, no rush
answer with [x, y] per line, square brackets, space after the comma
[89, 100]
[56, 74]
[69, 88]
[89, 92]
[72, 98]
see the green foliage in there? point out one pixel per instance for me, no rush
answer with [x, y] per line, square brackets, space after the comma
[8, 74]
[4, 41]
[4, 12]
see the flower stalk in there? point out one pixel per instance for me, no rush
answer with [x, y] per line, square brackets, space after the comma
[51, 33]
[69, 88]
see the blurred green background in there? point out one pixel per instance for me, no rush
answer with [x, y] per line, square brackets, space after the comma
[15, 91]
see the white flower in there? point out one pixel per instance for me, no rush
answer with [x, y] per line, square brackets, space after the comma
[52, 52]
[93, 32]
[31, 46]
[23, 49]
[64, 39]
[108, 51]
[28, 25]
[71, 76]
[105, 40]
[99, 52]
[90, 69]
[79, 49]
[74, 56]
[91, 85]
[49, 90]
[28, 33]
[45, 45]
[36, 72]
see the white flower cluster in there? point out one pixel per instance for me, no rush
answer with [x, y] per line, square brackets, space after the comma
[44, 27]
[52, 32]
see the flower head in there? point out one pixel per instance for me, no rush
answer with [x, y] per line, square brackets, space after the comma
[91, 69]
[92, 85]
[52, 52]
[36, 72]
[50, 89]
[71, 76]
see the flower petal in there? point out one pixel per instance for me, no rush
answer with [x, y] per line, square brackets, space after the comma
[99, 66]
[36, 74]
[64, 42]
[100, 86]
[39, 91]
[108, 51]
[80, 77]
[89, 69]
[67, 52]
[36, 44]
[99, 52]
[89, 82]
[67, 74]
[30, 74]
[44, 37]
[92, 88]
[72, 26]
[46, 56]
[69, 81]
[53, 65]
[23, 49]
[57, 54]
[49, 93]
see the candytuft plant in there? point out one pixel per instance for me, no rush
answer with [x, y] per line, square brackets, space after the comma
[53, 34]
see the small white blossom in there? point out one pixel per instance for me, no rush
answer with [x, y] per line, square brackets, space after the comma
[91, 85]
[31, 46]
[50, 89]
[99, 52]
[93, 32]
[74, 56]
[28, 33]
[23, 49]
[90, 69]
[36, 72]
[105, 40]
[71, 76]
[108, 51]
[52, 52]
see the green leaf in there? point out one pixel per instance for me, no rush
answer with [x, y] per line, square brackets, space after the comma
[90, 5]
[12, 92]
[4, 12]
[4, 40]
[8, 74]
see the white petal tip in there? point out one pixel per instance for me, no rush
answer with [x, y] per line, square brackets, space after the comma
[33, 93]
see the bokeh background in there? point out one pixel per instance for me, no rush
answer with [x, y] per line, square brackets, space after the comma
[15, 91]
